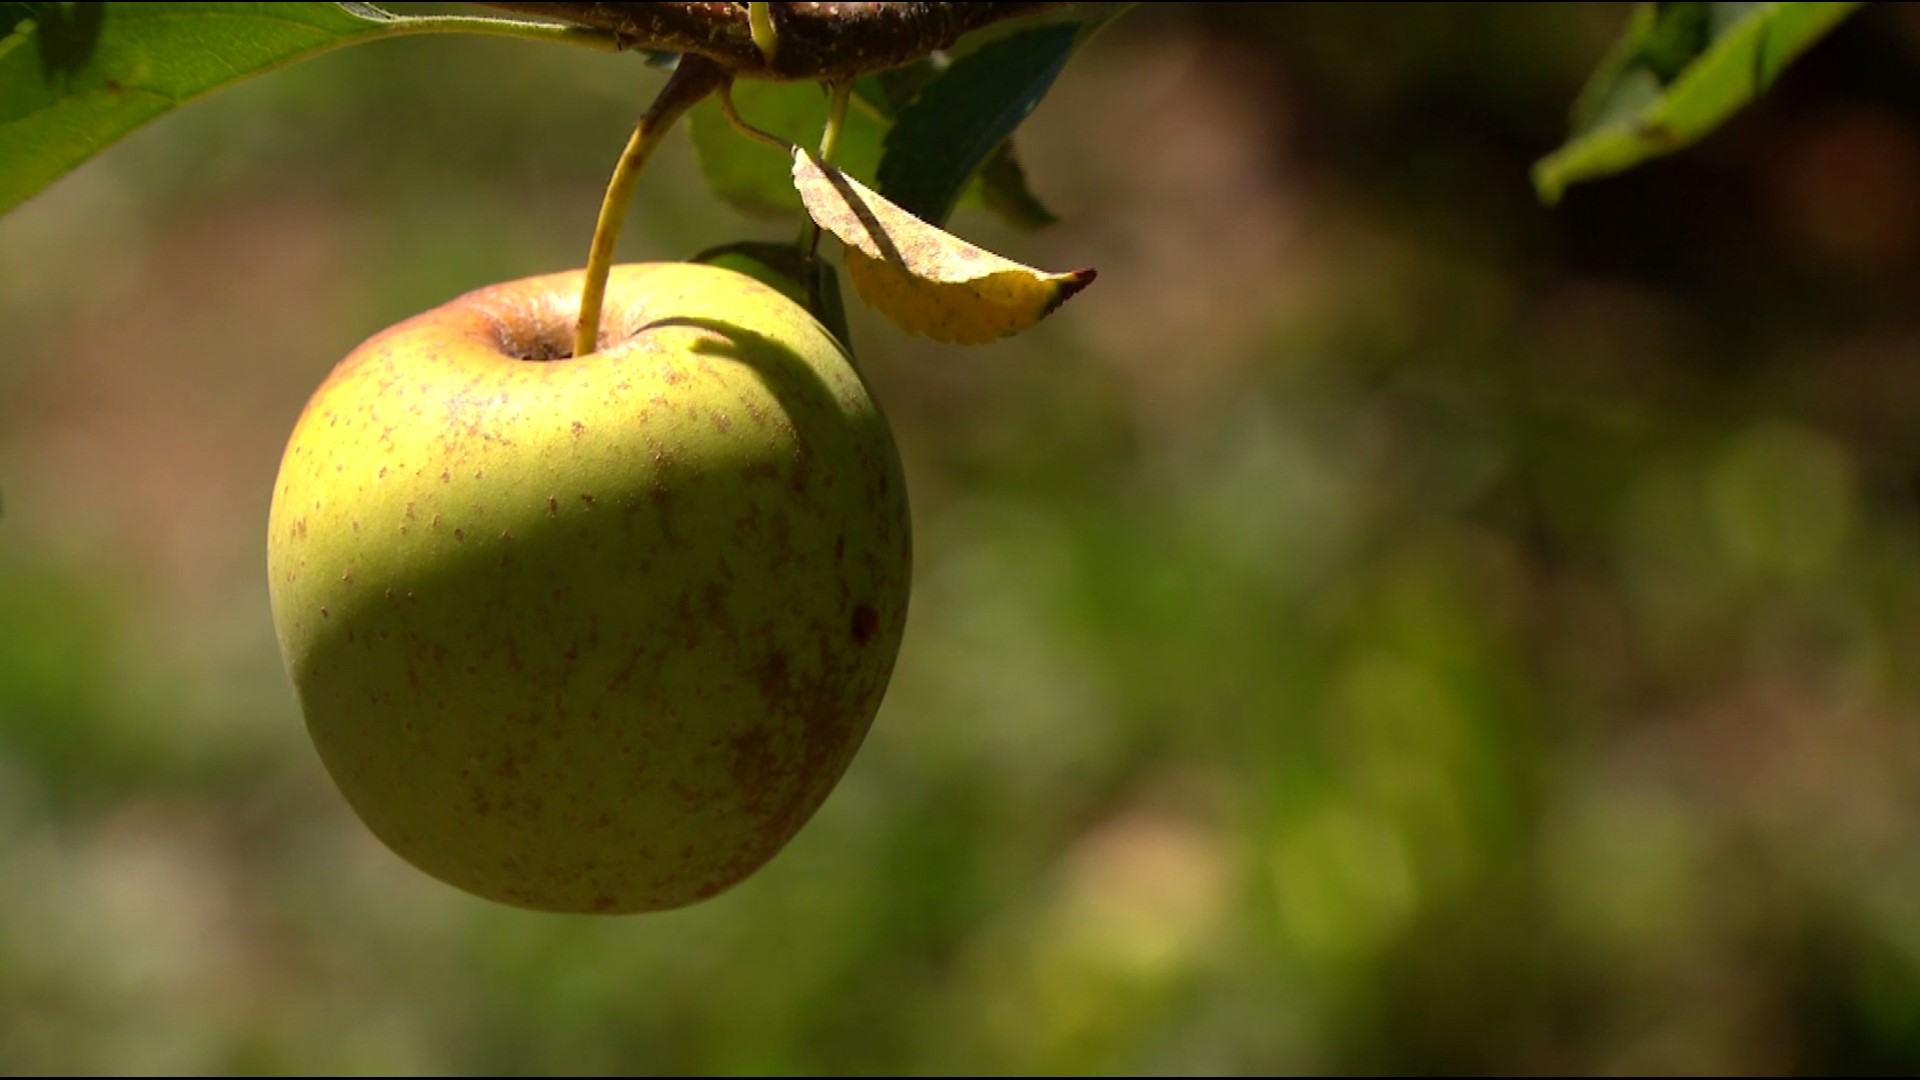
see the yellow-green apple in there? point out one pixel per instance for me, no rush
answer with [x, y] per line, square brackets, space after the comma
[592, 633]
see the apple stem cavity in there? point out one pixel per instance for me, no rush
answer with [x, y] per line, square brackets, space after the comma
[693, 79]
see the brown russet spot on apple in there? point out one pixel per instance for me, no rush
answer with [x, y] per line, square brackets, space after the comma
[866, 623]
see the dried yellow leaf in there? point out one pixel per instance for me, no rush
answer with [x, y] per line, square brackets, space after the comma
[923, 278]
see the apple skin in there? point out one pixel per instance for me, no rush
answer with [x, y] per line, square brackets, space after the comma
[592, 634]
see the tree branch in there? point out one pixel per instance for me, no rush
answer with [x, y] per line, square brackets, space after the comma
[818, 41]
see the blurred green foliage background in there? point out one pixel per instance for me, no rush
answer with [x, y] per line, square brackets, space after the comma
[1384, 624]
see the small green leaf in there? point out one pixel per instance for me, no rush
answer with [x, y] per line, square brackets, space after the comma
[755, 177]
[68, 35]
[964, 114]
[1679, 72]
[12, 14]
[1003, 185]
[887, 92]
[77, 78]
[811, 283]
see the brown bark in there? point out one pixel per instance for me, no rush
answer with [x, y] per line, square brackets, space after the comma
[818, 41]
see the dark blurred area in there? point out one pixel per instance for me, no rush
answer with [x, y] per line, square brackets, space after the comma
[1384, 625]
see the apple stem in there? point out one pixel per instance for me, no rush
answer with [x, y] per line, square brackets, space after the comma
[692, 80]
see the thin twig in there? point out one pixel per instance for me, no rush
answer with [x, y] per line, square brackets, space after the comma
[818, 41]
[740, 122]
[839, 95]
[766, 37]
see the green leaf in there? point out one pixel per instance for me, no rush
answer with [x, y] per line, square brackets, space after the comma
[1003, 186]
[64, 98]
[966, 113]
[77, 78]
[1678, 73]
[755, 177]
[811, 283]
[13, 14]
[887, 92]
